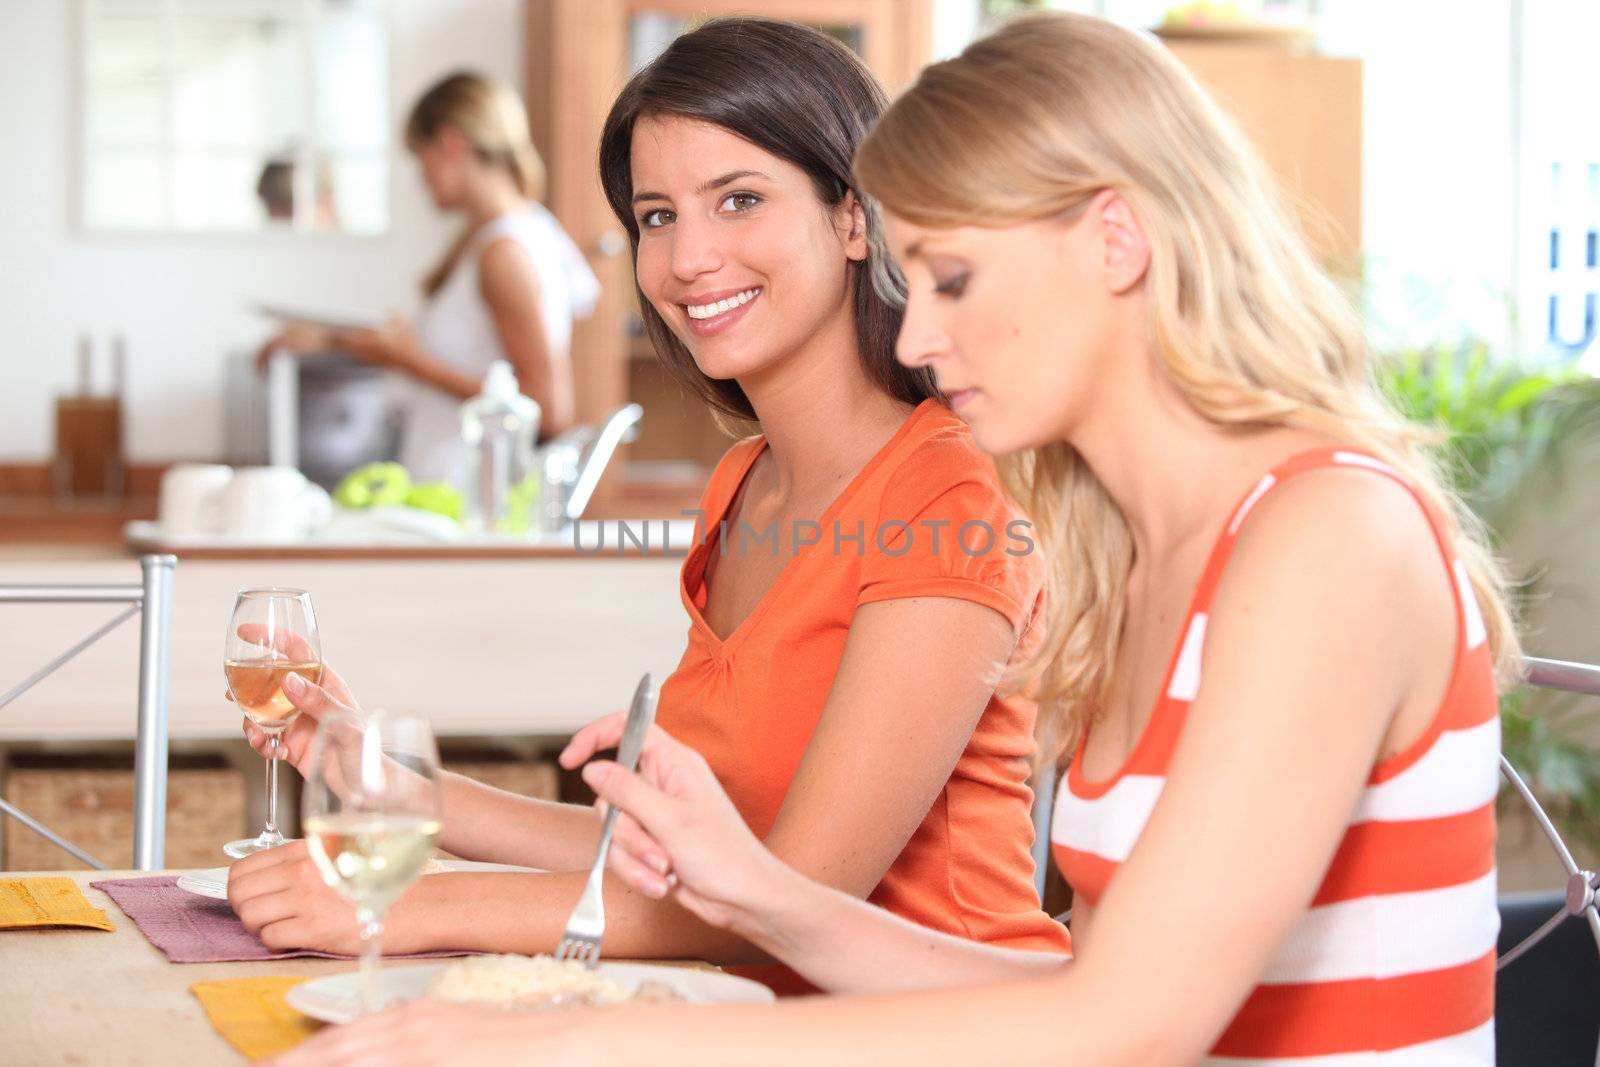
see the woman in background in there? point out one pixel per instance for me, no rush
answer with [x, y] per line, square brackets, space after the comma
[508, 288]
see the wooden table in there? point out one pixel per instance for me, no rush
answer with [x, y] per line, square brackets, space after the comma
[92, 998]
[70, 996]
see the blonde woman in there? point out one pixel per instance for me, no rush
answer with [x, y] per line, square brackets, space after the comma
[508, 288]
[1273, 641]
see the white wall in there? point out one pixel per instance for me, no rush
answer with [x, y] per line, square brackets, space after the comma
[1438, 199]
[1438, 196]
[181, 301]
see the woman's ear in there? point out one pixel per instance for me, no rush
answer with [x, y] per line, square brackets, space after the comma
[1126, 248]
[452, 143]
[850, 217]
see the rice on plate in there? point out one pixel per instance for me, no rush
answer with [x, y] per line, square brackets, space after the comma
[536, 982]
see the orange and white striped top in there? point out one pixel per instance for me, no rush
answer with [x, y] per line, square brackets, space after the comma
[1392, 965]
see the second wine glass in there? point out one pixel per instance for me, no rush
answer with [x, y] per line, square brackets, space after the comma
[271, 635]
[372, 815]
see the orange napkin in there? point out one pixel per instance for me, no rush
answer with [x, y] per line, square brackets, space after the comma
[252, 1016]
[34, 902]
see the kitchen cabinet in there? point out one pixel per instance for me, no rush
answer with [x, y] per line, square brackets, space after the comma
[1303, 113]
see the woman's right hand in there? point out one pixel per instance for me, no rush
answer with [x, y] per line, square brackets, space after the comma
[313, 700]
[677, 831]
[296, 338]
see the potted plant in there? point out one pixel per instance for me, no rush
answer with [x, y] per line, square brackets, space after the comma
[1502, 423]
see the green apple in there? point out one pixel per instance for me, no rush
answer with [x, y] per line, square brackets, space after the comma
[522, 505]
[373, 485]
[441, 498]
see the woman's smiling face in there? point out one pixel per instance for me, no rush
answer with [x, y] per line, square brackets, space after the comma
[736, 252]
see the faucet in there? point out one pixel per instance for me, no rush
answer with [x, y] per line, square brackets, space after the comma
[575, 461]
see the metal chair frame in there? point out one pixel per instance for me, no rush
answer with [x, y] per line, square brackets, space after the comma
[1581, 884]
[151, 599]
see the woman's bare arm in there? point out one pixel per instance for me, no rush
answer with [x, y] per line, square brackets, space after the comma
[510, 287]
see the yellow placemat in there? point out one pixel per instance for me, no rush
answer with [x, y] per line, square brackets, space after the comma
[252, 1016]
[32, 902]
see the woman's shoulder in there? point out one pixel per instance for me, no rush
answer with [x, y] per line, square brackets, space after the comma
[1342, 524]
[936, 457]
[1332, 484]
[944, 525]
[738, 456]
[730, 470]
[531, 231]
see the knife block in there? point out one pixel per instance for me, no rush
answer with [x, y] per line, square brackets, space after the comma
[88, 458]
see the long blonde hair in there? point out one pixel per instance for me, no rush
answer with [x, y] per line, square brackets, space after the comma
[490, 116]
[1032, 121]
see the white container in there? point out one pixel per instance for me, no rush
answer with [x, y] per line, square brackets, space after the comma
[190, 508]
[499, 427]
[272, 505]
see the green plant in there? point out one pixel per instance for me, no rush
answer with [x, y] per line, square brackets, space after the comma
[1501, 423]
[994, 10]
[1560, 768]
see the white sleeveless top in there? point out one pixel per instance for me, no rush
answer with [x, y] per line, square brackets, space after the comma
[456, 328]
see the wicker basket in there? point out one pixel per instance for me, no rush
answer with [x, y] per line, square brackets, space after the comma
[89, 801]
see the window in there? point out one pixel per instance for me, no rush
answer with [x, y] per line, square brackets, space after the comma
[234, 116]
[1559, 176]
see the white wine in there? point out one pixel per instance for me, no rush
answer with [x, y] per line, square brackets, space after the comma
[371, 859]
[258, 687]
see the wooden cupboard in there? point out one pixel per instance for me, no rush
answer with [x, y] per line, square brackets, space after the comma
[1303, 113]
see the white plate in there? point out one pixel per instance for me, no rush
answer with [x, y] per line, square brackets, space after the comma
[327, 318]
[213, 883]
[337, 998]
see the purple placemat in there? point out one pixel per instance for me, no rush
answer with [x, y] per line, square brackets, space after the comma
[193, 929]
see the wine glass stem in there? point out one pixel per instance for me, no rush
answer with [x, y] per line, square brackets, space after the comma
[371, 950]
[272, 788]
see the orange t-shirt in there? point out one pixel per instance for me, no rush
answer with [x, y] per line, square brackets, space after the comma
[925, 517]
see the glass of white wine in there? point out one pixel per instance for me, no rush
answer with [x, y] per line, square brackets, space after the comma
[272, 634]
[371, 815]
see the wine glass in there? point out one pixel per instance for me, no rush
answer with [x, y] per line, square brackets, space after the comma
[371, 814]
[272, 634]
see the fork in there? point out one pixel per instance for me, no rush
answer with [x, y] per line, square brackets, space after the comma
[587, 923]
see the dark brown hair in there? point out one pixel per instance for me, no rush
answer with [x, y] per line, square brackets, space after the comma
[804, 97]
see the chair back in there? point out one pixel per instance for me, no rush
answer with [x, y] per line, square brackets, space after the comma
[151, 600]
[1547, 979]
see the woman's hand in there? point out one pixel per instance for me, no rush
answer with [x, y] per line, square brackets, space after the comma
[395, 345]
[295, 339]
[678, 832]
[313, 701]
[427, 1032]
[280, 897]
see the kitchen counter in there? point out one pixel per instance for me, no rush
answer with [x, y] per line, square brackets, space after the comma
[45, 520]
[510, 642]
[601, 539]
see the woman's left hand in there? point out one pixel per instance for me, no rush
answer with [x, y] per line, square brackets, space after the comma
[432, 1032]
[280, 896]
[395, 345]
